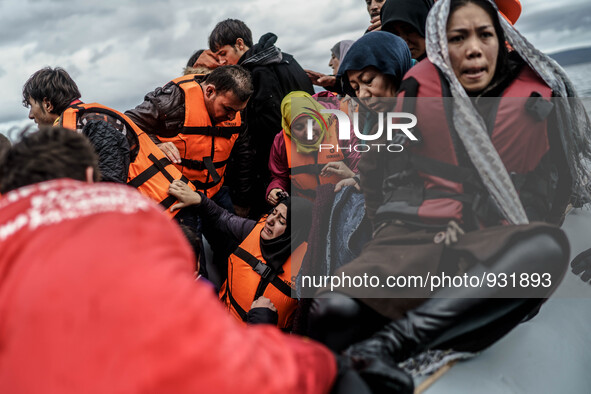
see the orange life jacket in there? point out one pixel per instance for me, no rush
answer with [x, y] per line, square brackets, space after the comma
[204, 148]
[304, 169]
[150, 171]
[249, 277]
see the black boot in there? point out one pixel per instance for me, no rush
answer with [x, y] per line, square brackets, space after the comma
[337, 321]
[446, 322]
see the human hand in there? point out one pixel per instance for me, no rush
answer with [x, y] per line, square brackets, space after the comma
[263, 302]
[184, 194]
[375, 23]
[207, 59]
[275, 195]
[171, 151]
[314, 76]
[326, 81]
[346, 182]
[337, 168]
[581, 265]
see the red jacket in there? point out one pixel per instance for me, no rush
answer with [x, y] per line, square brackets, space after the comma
[97, 295]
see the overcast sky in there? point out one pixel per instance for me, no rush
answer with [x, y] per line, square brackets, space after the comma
[117, 51]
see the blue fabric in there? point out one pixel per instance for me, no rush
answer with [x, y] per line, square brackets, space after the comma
[384, 51]
[349, 229]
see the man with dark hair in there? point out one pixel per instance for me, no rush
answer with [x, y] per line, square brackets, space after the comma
[50, 92]
[126, 154]
[50, 153]
[275, 74]
[196, 122]
[373, 9]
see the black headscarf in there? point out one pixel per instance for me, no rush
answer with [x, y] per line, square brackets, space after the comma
[384, 51]
[299, 220]
[412, 12]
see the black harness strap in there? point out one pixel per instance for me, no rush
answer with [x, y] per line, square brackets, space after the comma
[265, 271]
[235, 304]
[445, 170]
[213, 131]
[200, 165]
[208, 162]
[308, 193]
[311, 169]
[204, 185]
[161, 167]
[158, 166]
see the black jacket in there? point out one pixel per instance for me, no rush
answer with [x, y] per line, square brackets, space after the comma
[115, 146]
[274, 75]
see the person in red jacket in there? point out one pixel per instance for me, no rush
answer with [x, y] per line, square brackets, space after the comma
[98, 295]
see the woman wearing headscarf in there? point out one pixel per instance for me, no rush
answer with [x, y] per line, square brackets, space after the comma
[337, 54]
[258, 287]
[380, 59]
[406, 19]
[298, 163]
[329, 82]
[449, 204]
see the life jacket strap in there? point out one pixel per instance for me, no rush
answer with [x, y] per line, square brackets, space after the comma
[312, 169]
[264, 270]
[199, 165]
[155, 168]
[212, 131]
[241, 312]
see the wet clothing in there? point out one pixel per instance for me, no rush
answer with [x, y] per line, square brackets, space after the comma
[163, 114]
[129, 317]
[275, 74]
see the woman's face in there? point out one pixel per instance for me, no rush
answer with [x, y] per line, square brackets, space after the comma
[276, 223]
[473, 47]
[334, 63]
[371, 83]
[299, 129]
[415, 42]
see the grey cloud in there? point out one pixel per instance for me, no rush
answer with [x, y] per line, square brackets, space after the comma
[563, 17]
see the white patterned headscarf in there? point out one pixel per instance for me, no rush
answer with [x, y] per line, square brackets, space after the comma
[575, 132]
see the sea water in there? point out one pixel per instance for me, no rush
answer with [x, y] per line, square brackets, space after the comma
[580, 75]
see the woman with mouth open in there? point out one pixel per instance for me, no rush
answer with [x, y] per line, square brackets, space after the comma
[260, 271]
[483, 190]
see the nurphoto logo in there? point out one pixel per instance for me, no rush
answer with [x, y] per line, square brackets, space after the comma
[388, 122]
